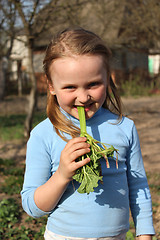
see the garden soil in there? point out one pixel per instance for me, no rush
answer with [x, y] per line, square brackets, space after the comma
[145, 111]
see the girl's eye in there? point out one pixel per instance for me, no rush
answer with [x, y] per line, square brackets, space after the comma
[94, 84]
[69, 87]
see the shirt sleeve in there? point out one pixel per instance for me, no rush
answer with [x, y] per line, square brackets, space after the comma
[38, 171]
[139, 193]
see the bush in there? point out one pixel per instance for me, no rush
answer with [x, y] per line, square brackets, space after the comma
[135, 87]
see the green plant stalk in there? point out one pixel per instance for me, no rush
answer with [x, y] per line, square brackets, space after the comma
[90, 174]
[82, 119]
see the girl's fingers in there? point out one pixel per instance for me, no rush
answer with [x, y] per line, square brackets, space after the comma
[75, 141]
[82, 163]
[76, 154]
[79, 146]
[76, 148]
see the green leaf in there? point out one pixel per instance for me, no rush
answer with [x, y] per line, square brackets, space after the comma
[88, 179]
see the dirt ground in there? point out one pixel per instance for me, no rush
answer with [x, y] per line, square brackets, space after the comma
[145, 111]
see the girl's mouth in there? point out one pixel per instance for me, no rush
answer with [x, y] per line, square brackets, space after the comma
[86, 108]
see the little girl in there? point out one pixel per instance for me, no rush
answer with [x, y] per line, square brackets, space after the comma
[77, 68]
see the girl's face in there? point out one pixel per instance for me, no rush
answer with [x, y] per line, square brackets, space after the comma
[79, 81]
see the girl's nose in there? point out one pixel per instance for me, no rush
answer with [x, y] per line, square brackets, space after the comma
[83, 96]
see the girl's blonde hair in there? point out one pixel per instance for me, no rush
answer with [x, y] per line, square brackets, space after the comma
[71, 42]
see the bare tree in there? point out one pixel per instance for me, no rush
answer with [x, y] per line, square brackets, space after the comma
[140, 27]
[106, 19]
[7, 35]
[133, 24]
[37, 20]
[57, 15]
[27, 17]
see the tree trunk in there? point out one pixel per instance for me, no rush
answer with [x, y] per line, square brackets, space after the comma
[27, 24]
[3, 72]
[30, 112]
[32, 97]
[1, 82]
[19, 74]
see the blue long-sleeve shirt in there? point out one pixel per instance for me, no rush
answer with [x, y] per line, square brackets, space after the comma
[104, 212]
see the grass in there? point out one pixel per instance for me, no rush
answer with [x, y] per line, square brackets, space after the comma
[12, 126]
[11, 213]
[12, 175]
[136, 87]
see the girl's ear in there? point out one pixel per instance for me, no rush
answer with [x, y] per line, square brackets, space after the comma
[51, 89]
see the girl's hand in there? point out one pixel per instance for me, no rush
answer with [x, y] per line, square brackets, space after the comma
[144, 237]
[75, 148]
